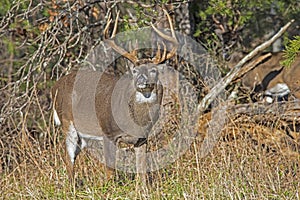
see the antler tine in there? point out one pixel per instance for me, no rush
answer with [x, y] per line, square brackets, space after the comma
[116, 25]
[160, 57]
[170, 23]
[110, 40]
[105, 31]
[171, 39]
[165, 51]
[161, 34]
[157, 58]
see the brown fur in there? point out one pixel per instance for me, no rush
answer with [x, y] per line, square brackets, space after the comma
[270, 72]
[77, 95]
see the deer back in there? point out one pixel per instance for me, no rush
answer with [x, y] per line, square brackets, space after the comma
[261, 76]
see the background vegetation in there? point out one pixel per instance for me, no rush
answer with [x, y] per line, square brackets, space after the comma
[257, 156]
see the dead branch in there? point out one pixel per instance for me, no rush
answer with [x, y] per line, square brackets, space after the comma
[288, 111]
[251, 66]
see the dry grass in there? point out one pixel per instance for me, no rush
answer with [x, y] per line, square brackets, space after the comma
[253, 159]
[250, 161]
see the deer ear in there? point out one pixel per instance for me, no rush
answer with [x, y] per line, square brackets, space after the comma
[130, 66]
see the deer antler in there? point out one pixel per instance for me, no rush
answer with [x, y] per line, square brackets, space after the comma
[158, 58]
[132, 56]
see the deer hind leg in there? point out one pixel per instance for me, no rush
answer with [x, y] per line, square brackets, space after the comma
[73, 148]
[110, 152]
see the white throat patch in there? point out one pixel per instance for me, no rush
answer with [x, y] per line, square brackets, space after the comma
[140, 98]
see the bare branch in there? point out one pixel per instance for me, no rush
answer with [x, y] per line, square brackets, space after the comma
[251, 66]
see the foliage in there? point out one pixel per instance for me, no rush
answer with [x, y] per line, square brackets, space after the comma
[247, 22]
[292, 51]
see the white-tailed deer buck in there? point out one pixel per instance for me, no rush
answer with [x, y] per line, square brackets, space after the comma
[116, 100]
[272, 79]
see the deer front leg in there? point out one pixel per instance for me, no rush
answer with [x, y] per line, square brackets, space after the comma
[141, 163]
[73, 143]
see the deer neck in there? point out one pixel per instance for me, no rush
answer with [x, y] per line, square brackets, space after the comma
[144, 108]
[140, 98]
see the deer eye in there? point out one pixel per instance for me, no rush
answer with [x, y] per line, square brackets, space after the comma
[153, 71]
[134, 71]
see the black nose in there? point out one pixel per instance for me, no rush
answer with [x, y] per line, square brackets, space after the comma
[147, 94]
